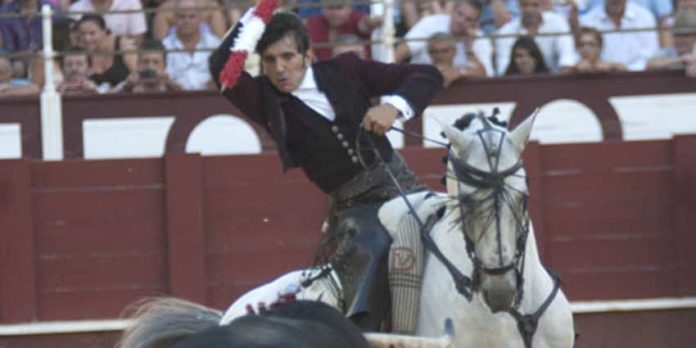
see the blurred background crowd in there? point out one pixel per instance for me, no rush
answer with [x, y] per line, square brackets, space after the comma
[132, 46]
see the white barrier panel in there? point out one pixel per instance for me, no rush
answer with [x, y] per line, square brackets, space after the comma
[10, 140]
[126, 137]
[84, 326]
[223, 134]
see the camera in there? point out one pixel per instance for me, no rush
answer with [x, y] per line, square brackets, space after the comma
[147, 74]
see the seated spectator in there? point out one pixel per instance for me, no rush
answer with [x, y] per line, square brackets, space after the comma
[349, 43]
[633, 48]
[75, 65]
[567, 9]
[310, 8]
[659, 8]
[558, 50]
[10, 86]
[527, 58]
[683, 54]
[461, 24]
[23, 32]
[189, 66]
[667, 22]
[132, 25]
[590, 47]
[212, 20]
[442, 49]
[112, 56]
[151, 75]
[337, 18]
[496, 13]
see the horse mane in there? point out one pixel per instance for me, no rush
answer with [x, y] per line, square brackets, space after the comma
[464, 122]
[160, 321]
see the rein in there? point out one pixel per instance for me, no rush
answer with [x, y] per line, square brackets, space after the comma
[462, 282]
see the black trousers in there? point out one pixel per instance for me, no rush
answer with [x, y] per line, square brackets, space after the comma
[360, 244]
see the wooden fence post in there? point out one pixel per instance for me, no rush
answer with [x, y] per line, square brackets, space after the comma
[684, 161]
[17, 249]
[185, 233]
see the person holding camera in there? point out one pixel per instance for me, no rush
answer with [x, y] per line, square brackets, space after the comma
[75, 64]
[151, 74]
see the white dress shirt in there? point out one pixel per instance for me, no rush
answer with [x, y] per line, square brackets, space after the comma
[558, 51]
[308, 92]
[190, 71]
[632, 49]
[126, 24]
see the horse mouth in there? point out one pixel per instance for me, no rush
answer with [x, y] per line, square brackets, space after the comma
[500, 302]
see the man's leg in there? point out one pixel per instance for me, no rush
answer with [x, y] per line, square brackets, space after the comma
[405, 275]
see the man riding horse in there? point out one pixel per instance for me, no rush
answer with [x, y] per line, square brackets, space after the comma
[314, 113]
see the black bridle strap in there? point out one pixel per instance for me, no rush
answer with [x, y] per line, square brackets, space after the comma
[527, 324]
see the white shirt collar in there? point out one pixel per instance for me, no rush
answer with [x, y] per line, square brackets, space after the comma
[308, 82]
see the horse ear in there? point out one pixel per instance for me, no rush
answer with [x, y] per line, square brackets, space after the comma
[454, 135]
[520, 135]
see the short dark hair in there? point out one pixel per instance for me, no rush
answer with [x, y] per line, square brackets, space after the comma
[283, 24]
[592, 31]
[93, 17]
[74, 51]
[152, 45]
[527, 43]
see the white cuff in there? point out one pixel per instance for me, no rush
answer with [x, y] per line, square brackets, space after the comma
[400, 104]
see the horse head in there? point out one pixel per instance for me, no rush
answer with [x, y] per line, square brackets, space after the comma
[486, 178]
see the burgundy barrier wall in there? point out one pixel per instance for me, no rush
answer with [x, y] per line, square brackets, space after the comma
[82, 239]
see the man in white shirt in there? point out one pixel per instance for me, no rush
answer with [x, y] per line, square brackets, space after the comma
[131, 24]
[558, 50]
[632, 49]
[188, 64]
[462, 24]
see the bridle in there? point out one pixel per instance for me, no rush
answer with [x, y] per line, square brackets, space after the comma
[479, 179]
[493, 180]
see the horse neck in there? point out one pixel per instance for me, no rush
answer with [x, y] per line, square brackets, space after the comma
[537, 282]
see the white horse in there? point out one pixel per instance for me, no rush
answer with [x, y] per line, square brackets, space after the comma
[482, 268]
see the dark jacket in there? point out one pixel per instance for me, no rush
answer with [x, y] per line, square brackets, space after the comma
[308, 140]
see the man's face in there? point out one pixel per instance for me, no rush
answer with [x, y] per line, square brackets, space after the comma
[464, 17]
[337, 15]
[615, 7]
[442, 52]
[188, 21]
[531, 10]
[589, 47]
[284, 65]
[75, 67]
[684, 43]
[151, 61]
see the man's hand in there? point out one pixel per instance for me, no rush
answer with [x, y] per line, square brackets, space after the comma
[379, 119]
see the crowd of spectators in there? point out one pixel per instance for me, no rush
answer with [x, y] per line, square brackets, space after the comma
[130, 46]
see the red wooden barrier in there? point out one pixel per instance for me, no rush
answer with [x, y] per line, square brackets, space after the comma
[82, 239]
